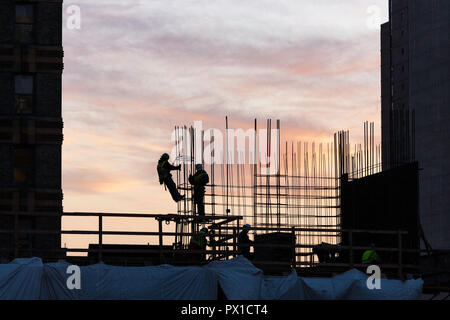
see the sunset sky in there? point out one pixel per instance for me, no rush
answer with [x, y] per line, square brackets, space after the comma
[137, 68]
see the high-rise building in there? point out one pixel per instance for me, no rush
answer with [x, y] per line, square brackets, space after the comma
[415, 81]
[31, 64]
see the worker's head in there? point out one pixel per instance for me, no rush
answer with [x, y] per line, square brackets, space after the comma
[204, 230]
[165, 156]
[246, 227]
[198, 167]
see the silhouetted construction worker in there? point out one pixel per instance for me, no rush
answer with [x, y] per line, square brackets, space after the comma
[371, 256]
[164, 168]
[198, 242]
[244, 242]
[199, 180]
[326, 252]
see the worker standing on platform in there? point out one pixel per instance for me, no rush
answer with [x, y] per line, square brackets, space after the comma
[371, 256]
[199, 180]
[244, 242]
[198, 243]
[164, 168]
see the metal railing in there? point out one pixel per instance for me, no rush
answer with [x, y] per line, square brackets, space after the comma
[223, 242]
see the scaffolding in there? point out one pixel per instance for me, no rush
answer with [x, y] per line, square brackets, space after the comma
[273, 184]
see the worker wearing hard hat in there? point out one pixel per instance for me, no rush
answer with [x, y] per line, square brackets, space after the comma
[371, 256]
[244, 242]
[164, 168]
[197, 245]
[199, 180]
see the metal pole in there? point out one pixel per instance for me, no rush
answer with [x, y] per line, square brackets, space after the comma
[100, 237]
[16, 209]
[294, 258]
[227, 162]
[161, 256]
[400, 257]
[238, 231]
[234, 242]
[350, 234]
[255, 181]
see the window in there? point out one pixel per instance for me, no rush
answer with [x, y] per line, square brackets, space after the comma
[24, 12]
[24, 89]
[23, 84]
[23, 165]
[24, 23]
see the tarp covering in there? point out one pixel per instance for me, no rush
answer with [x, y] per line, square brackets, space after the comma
[54, 283]
[238, 278]
[389, 289]
[21, 279]
[352, 285]
[282, 288]
[241, 280]
[163, 282]
[29, 279]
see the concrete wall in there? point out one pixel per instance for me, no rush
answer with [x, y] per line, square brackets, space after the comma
[385, 93]
[48, 94]
[6, 22]
[48, 170]
[429, 92]
[418, 79]
[6, 93]
[48, 23]
[44, 195]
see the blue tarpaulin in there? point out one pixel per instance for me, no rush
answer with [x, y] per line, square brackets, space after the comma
[30, 279]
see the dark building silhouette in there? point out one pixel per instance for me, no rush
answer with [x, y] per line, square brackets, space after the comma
[31, 63]
[415, 64]
[386, 201]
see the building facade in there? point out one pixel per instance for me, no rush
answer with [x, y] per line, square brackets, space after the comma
[31, 64]
[415, 97]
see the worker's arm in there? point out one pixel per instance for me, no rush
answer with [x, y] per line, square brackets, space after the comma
[204, 179]
[170, 167]
[244, 239]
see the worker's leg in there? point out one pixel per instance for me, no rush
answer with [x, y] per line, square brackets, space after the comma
[195, 206]
[195, 254]
[176, 196]
[191, 253]
[199, 200]
[201, 205]
[203, 255]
